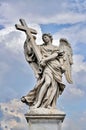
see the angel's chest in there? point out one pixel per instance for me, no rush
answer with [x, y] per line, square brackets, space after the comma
[47, 51]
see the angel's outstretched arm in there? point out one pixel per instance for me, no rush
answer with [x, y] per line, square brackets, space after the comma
[51, 57]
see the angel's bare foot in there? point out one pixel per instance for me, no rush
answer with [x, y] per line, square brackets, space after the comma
[35, 106]
[23, 99]
[50, 107]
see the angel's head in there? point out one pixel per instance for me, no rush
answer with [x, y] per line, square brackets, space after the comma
[47, 37]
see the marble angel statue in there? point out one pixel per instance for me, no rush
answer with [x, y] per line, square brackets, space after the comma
[54, 62]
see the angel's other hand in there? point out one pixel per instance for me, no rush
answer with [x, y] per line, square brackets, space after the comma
[37, 76]
[42, 62]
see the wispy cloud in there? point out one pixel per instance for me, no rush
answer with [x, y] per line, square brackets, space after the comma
[4, 68]
[12, 115]
[13, 40]
[79, 61]
[76, 92]
[52, 12]
[75, 34]
[71, 123]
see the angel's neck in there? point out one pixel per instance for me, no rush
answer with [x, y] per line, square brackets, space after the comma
[48, 43]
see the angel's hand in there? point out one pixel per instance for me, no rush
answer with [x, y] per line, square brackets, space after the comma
[42, 63]
[37, 76]
[61, 53]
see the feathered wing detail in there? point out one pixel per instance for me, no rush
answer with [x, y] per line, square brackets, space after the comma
[67, 58]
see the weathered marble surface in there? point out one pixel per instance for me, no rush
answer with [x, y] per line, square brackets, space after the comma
[44, 124]
[38, 111]
[45, 121]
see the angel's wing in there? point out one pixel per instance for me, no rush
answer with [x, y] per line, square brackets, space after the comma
[30, 57]
[67, 58]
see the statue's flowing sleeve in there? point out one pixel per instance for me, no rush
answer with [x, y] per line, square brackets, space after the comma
[30, 57]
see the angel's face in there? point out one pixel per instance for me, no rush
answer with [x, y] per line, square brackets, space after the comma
[46, 39]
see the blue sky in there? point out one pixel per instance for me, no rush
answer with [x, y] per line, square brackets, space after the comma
[61, 18]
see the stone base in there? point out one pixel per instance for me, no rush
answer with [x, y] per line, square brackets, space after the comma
[44, 121]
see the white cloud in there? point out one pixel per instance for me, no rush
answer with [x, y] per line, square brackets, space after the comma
[13, 39]
[4, 68]
[79, 63]
[79, 72]
[42, 11]
[12, 107]
[76, 92]
[65, 18]
[75, 34]
[83, 117]
[13, 115]
[76, 118]
[70, 124]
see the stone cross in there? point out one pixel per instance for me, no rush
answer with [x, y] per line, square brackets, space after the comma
[24, 27]
[29, 32]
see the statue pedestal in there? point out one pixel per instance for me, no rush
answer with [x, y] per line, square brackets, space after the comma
[44, 121]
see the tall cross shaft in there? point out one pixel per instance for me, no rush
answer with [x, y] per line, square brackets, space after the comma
[29, 32]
